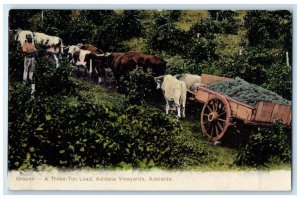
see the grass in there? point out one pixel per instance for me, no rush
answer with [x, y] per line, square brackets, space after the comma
[190, 17]
[136, 44]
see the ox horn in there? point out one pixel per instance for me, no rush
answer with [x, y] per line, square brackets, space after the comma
[100, 55]
[107, 54]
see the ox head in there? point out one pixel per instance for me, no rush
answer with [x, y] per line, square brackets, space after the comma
[159, 80]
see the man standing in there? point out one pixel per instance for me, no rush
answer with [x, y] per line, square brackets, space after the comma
[29, 61]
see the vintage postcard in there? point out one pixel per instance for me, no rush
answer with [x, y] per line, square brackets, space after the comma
[150, 100]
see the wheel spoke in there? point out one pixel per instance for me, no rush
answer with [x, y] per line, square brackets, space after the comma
[217, 131]
[213, 105]
[221, 107]
[217, 105]
[220, 126]
[221, 120]
[221, 114]
[205, 122]
[209, 108]
[215, 118]
[212, 130]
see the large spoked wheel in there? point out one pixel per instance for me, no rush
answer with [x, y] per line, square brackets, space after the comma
[215, 118]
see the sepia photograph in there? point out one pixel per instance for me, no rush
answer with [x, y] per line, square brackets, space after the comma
[150, 99]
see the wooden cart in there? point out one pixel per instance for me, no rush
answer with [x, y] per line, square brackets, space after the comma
[219, 110]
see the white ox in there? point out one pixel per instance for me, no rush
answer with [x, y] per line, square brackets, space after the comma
[72, 50]
[174, 90]
[51, 44]
[191, 81]
[89, 60]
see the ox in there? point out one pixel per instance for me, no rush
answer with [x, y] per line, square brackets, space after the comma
[44, 42]
[90, 61]
[122, 63]
[91, 48]
[191, 81]
[51, 44]
[156, 64]
[174, 90]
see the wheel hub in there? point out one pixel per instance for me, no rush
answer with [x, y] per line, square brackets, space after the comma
[213, 116]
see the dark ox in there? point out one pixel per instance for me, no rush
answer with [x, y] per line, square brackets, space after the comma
[122, 63]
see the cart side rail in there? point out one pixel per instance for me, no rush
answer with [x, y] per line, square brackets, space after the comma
[269, 112]
[208, 79]
[262, 113]
[238, 109]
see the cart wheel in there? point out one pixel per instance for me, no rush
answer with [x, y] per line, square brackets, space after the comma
[215, 117]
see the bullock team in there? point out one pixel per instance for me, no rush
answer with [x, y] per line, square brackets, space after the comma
[95, 61]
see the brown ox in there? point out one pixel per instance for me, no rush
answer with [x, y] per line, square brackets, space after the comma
[122, 63]
[92, 48]
[156, 64]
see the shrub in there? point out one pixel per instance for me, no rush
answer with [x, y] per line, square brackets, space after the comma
[50, 80]
[73, 132]
[178, 65]
[265, 145]
[15, 61]
[86, 127]
[139, 86]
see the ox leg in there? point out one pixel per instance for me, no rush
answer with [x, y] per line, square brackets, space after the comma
[91, 68]
[177, 104]
[182, 106]
[32, 90]
[26, 68]
[31, 68]
[178, 111]
[102, 76]
[31, 71]
[56, 60]
[167, 107]
[182, 110]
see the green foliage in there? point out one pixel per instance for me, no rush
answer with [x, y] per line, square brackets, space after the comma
[87, 127]
[279, 80]
[140, 86]
[15, 60]
[19, 18]
[266, 26]
[51, 80]
[73, 132]
[178, 65]
[201, 49]
[266, 145]
[166, 37]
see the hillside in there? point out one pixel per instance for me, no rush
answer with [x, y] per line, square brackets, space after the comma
[73, 123]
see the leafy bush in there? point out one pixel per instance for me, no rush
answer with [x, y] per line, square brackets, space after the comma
[50, 80]
[167, 38]
[201, 49]
[279, 80]
[90, 127]
[140, 86]
[265, 145]
[178, 65]
[15, 60]
[73, 132]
